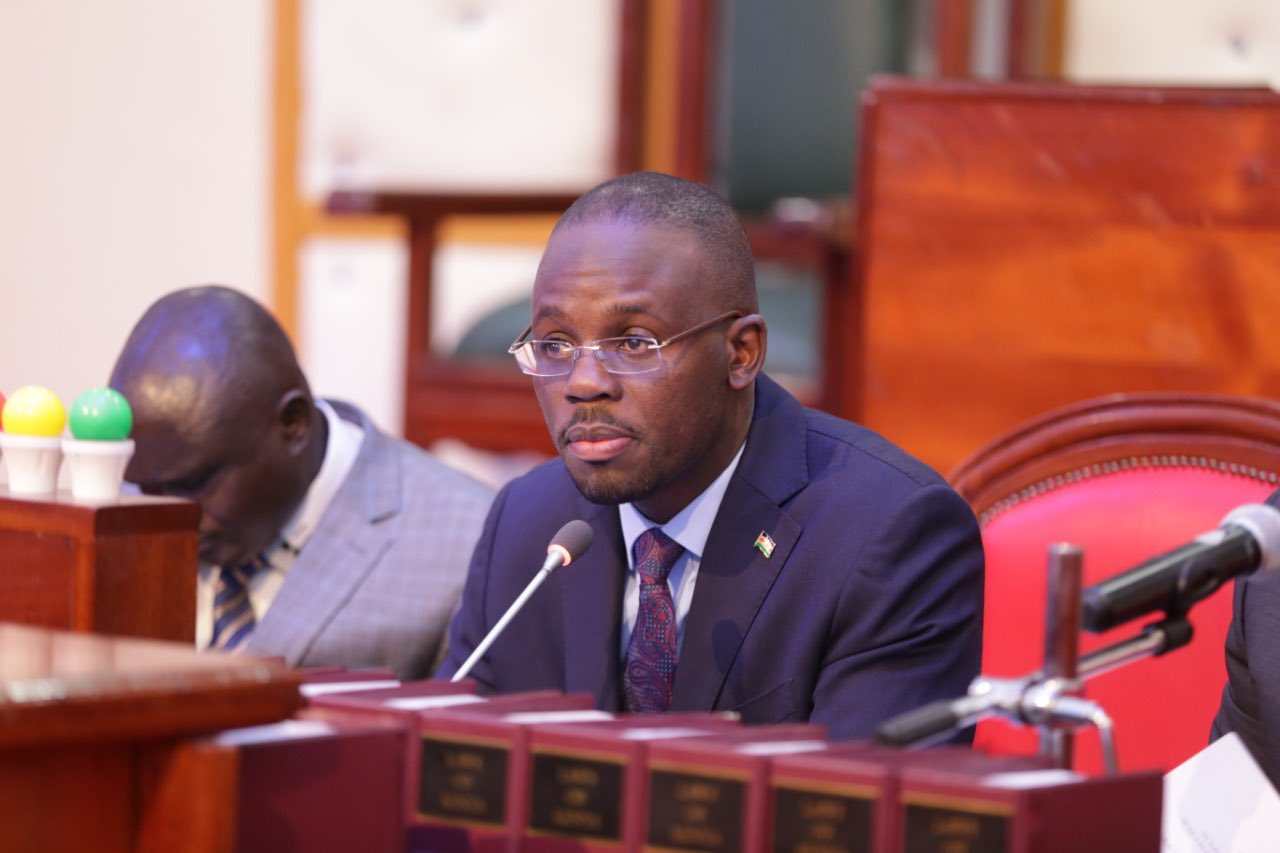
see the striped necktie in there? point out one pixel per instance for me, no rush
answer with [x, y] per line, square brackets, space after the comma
[651, 653]
[233, 620]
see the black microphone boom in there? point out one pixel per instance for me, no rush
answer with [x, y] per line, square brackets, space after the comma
[569, 543]
[1248, 539]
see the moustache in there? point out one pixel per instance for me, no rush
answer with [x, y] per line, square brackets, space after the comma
[591, 415]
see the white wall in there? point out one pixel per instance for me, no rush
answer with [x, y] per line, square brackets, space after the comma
[436, 95]
[1187, 42]
[134, 159]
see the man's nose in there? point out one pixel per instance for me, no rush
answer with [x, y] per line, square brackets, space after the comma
[588, 380]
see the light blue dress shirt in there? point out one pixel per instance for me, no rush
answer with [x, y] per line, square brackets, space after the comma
[690, 527]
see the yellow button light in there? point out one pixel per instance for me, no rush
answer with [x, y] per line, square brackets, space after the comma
[35, 411]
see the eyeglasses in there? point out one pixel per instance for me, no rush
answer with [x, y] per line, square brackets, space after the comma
[625, 355]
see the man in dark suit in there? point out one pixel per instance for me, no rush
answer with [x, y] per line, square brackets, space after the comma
[322, 540]
[750, 554]
[1251, 699]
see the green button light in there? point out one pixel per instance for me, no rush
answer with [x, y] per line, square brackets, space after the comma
[101, 414]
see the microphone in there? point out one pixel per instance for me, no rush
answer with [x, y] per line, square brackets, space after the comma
[1030, 700]
[569, 543]
[931, 722]
[1248, 539]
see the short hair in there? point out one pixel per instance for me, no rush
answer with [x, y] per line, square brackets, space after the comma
[654, 198]
[242, 356]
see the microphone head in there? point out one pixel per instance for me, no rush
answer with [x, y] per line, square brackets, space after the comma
[572, 540]
[1263, 523]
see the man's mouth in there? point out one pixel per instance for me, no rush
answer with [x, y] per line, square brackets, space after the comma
[597, 442]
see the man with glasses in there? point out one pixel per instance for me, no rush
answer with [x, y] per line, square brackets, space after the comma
[750, 554]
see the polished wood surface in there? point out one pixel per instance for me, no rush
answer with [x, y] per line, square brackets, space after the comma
[62, 687]
[1023, 247]
[127, 567]
[92, 731]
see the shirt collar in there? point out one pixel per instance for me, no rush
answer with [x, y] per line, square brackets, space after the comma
[690, 526]
[341, 448]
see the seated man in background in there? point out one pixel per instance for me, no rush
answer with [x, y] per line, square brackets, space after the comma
[322, 540]
[750, 554]
[1251, 699]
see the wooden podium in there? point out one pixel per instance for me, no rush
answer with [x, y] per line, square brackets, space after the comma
[91, 738]
[127, 567]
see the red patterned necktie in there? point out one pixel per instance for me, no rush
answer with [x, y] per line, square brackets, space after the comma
[651, 653]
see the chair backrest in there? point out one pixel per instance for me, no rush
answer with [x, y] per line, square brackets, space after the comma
[1125, 477]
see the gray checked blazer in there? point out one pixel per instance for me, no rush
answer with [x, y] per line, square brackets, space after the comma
[381, 575]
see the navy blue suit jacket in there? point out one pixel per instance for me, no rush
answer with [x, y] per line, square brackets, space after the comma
[871, 603]
[1251, 700]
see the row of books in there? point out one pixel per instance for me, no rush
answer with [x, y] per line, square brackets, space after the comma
[372, 764]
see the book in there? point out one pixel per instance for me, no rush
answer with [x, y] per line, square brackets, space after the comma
[582, 774]
[943, 808]
[709, 793]
[472, 768]
[845, 799]
[308, 784]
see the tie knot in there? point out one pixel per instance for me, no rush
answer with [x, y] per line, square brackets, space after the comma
[655, 554]
[239, 576]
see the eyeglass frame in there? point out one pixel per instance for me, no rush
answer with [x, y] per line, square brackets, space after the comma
[594, 346]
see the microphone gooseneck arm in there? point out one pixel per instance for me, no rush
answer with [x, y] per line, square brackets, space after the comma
[569, 543]
[554, 559]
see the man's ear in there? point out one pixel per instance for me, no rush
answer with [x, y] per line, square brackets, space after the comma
[294, 413]
[748, 339]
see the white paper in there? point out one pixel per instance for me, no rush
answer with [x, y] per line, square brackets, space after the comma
[1024, 779]
[324, 688]
[275, 732]
[1219, 800]
[531, 717]
[425, 703]
[660, 733]
[780, 747]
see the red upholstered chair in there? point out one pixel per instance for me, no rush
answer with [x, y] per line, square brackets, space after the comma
[1125, 477]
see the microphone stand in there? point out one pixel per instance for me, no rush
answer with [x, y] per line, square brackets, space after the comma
[1061, 643]
[1044, 698]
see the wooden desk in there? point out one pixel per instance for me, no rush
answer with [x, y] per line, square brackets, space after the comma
[127, 567]
[90, 729]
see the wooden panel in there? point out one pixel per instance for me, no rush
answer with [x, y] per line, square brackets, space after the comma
[32, 570]
[1022, 247]
[67, 799]
[127, 567]
[145, 586]
[189, 797]
[58, 687]
[91, 739]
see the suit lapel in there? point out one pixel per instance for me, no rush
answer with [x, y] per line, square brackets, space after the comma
[591, 606]
[347, 544]
[733, 580]
[733, 576]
